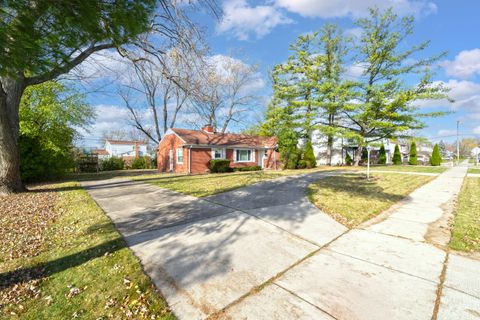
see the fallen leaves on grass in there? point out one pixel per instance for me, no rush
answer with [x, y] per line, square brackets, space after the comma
[24, 223]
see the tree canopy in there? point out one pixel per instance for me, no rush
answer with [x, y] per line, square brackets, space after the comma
[50, 115]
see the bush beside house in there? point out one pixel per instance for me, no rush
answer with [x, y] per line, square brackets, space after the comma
[220, 166]
[112, 163]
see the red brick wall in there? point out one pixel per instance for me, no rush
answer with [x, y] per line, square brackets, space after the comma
[272, 158]
[171, 142]
[233, 164]
[200, 159]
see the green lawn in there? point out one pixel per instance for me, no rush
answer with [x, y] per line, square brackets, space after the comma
[466, 225]
[208, 184]
[407, 168]
[351, 199]
[474, 170]
[79, 266]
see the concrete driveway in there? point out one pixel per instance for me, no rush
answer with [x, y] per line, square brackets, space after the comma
[265, 252]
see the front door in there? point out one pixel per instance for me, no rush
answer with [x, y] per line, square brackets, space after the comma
[261, 155]
[170, 159]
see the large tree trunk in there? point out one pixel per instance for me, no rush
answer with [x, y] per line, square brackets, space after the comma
[11, 91]
[358, 156]
[329, 150]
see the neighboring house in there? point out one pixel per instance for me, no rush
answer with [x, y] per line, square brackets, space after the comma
[190, 151]
[123, 148]
[102, 154]
[343, 146]
[476, 154]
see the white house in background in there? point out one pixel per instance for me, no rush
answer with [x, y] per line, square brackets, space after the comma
[123, 148]
[476, 154]
[343, 146]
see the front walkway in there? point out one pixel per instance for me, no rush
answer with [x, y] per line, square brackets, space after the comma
[265, 252]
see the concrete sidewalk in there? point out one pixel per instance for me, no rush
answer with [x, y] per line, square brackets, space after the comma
[265, 252]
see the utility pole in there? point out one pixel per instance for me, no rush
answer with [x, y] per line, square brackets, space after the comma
[458, 144]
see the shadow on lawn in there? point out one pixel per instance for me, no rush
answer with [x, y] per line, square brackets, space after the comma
[49, 268]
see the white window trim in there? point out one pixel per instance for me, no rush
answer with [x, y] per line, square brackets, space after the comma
[222, 152]
[252, 155]
[181, 151]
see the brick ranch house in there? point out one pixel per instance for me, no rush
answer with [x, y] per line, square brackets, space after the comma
[189, 151]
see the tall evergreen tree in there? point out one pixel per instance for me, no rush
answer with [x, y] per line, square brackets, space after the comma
[412, 160]
[384, 102]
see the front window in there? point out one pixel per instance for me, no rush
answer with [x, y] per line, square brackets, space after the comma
[218, 153]
[179, 155]
[244, 156]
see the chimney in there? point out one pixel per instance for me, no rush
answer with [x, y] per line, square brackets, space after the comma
[136, 149]
[208, 128]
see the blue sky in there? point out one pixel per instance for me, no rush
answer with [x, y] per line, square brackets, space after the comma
[260, 32]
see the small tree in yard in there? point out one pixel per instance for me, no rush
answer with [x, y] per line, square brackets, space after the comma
[397, 157]
[382, 157]
[309, 156]
[436, 158]
[413, 154]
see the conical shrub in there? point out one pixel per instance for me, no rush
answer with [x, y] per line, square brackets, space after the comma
[413, 154]
[397, 157]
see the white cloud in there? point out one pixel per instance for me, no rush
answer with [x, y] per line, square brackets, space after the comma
[476, 130]
[446, 132]
[466, 96]
[355, 8]
[242, 20]
[354, 33]
[354, 71]
[465, 65]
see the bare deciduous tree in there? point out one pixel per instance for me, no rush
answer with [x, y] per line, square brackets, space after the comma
[226, 91]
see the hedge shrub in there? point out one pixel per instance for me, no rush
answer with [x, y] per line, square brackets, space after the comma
[113, 163]
[436, 158]
[220, 166]
[413, 154]
[248, 168]
[397, 157]
[141, 163]
[382, 155]
[309, 156]
[302, 164]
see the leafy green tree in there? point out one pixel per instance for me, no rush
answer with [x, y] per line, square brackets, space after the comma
[412, 160]
[49, 114]
[397, 157]
[384, 102]
[382, 155]
[309, 156]
[436, 158]
[42, 40]
[333, 92]
[309, 89]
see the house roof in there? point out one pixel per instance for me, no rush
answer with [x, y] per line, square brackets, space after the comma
[199, 137]
[100, 152]
[127, 142]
